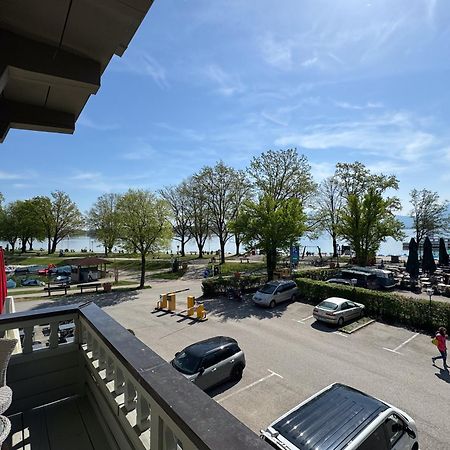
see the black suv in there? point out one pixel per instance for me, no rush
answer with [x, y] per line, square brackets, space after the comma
[211, 362]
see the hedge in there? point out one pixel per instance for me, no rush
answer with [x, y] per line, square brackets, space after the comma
[316, 274]
[387, 307]
[219, 285]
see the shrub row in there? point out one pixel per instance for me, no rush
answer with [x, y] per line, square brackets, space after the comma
[219, 285]
[388, 307]
[316, 274]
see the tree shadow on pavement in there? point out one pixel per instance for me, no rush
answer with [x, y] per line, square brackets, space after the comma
[324, 327]
[212, 392]
[443, 374]
[225, 309]
[101, 299]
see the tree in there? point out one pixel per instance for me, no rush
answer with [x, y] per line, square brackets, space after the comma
[428, 264]
[366, 221]
[443, 254]
[275, 220]
[329, 202]
[145, 225]
[9, 230]
[412, 264]
[104, 221]
[60, 217]
[198, 212]
[178, 199]
[224, 189]
[271, 225]
[429, 215]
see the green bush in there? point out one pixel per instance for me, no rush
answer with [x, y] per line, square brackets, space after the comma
[219, 285]
[316, 274]
[388, 307]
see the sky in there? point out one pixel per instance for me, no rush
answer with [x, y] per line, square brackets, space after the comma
[203, 80]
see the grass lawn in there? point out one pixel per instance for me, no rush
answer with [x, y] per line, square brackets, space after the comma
[167, 275]
[231, 267]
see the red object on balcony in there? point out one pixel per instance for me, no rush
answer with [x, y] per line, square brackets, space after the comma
[3, 289]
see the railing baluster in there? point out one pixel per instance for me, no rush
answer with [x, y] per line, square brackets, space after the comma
[155, 429]
[109, 375]
[28, 339]
[119, 381]
[95, 349]
[130, 396]
[53, 340]
[101, 359]
[142, 414]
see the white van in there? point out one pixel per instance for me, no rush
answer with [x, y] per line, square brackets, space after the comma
[275, 292]
[342, 418]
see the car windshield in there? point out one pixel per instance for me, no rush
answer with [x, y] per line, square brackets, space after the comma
[328, 305]
[186, 363]
[268, 289]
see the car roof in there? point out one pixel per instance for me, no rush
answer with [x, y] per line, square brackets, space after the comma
[202, 348]
[336, 300]
[278, 282]
[331, 419]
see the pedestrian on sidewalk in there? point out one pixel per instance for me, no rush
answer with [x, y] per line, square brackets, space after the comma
[441, 337]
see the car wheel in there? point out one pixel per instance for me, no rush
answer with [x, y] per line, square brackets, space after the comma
[236, 372]
[272, 304]
[361, 315]
[340, 322]
[293, 297]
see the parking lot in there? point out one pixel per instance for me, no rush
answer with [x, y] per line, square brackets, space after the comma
[290, 357]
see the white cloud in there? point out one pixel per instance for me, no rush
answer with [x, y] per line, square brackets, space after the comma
[87, 176]
[310, 62]
[10, 176]
[277, 53]
[368, 105]
[227, 84]
[395, 135]
[85, 121]
[139, 154]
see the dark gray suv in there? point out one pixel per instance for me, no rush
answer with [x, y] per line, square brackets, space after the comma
[211, 362]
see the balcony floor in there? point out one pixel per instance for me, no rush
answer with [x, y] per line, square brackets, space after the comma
[69, 424]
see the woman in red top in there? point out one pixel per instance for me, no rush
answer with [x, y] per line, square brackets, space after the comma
[441, 337]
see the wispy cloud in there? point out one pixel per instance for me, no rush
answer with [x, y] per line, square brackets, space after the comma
[87, 176]
[228, 84]
[9, 176]
[396, 135]
[142, 63]
[85, 121]
[139, 154]
[368, 105]
[277, 52]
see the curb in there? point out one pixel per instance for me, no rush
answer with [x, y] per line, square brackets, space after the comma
[357, 328]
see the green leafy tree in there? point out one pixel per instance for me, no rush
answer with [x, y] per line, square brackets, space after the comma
[199, 213]
[275, 219]
[59, 216]
[9, 230]
[368, 220]
[270, 226]
[145, 225]
[429, 214]
[224, 189]
[104, 221]
[178, 199]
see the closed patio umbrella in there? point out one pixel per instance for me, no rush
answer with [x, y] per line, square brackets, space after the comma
[428, 264]
[443, 255]
[3, 289]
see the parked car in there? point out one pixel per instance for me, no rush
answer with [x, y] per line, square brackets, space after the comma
[31, 282]
[10, 283]
[339, 281]
[275, 292]
[211, 362]
[9, 269]
[337, 310]
[340, 417]
[62, 270]
[46, 270]
[63, 279]
[21, 270]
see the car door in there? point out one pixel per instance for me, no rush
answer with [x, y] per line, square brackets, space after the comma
[344, 311]
[353, 310]
[211, 374]
[398, 438]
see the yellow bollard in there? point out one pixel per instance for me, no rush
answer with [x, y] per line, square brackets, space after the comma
[190, 305]
[201, 313]
[163, 301]
[171, 298]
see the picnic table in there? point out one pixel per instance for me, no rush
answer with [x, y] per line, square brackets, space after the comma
[89, 286]
[58, 287]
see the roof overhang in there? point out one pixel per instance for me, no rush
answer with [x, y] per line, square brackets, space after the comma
[53, 53]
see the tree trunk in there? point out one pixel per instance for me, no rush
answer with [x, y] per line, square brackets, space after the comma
[222, 251]
[238, 243]
[200, 250]
[183, 243]
[271, 261]
[49, 243]
[141, 285]
[106, 251]
[24, 245]
[13, 245]
[30, 247]
[335, 250]
[54, 244]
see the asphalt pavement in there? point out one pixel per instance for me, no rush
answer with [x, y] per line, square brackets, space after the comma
[290, 356]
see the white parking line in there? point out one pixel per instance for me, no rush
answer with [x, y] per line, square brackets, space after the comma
[272, 374]
[395, 350]
[341, 334]
[303, 320]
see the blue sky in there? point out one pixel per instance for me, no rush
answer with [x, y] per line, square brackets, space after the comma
[206, 80]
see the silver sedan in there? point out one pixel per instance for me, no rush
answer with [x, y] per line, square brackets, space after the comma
[337, 310]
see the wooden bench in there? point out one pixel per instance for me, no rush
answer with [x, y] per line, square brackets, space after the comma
[89, 286]
[62, 287]
[245, 259]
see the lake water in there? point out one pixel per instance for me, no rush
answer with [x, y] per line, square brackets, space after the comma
[78, 243]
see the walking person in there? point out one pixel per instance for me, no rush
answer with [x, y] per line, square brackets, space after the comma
[441, 337]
